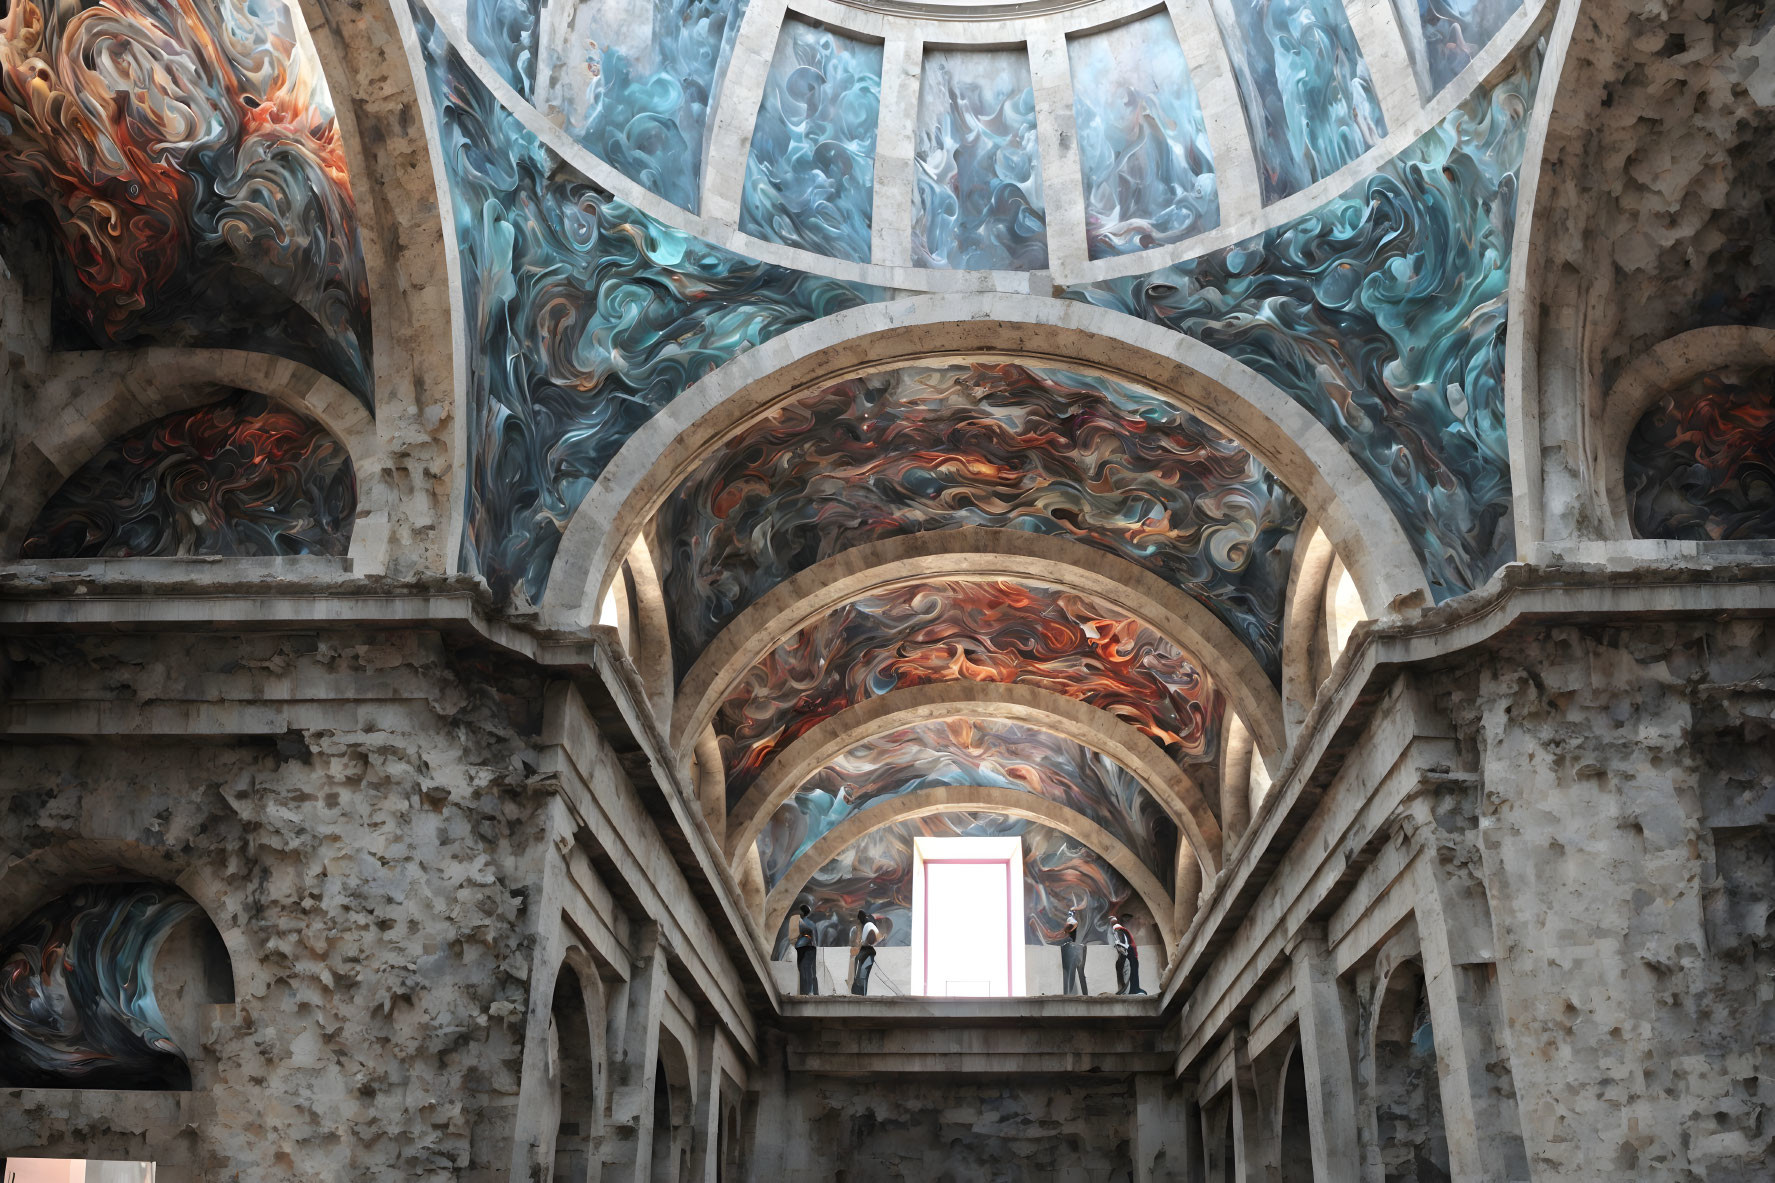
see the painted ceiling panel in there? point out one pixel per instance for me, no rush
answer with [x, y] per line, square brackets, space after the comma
[590, 316]
[240, 476]
[810, 179]
[1308, 98]
[183, 160]
[1059, 875]
[1443, 35]
[77, 1006]
[949, 631]
[915, 449]
[1700, 464]
[979, 199]
[994, 752]
[1147, 167]
[1383, 313]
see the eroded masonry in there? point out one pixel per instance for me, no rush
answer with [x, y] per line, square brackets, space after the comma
[879, 590]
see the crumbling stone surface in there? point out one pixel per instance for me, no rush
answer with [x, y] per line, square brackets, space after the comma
[368, 877]
[1629, 788]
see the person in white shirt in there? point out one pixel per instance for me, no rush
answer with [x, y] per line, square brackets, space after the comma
[863, 952]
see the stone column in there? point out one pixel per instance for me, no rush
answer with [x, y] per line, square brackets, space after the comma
[634, 1042]
[1165, 1142]
[1325, 1059]
[705, 1136]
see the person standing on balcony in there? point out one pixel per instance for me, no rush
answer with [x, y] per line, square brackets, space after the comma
[1127, 959]
[863, 952]
[806, 951]
[1072, 959]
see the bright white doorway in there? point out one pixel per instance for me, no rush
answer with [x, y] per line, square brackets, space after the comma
[76, 1170]
[967, 917]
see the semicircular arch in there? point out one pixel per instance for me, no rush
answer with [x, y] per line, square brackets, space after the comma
[935, 329]
[1170, 785]
[973, 799]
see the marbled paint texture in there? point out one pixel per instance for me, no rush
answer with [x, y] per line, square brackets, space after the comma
[183, 159]
[1309, 100]
[810, 179]
[77, 1006]
[1383, 313]
[1046, 451]
[240, 476]
[1144, 156]
[1700, 464]
[949, 631]
[587, 318]
[978, 204]
[1059, 875]
[1443, 35]
[993, 752]
[504, 32]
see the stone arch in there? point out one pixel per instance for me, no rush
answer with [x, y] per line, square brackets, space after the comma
[1409, 1134]
[1651, 376]
[979, 553]
[106, 394]
[673, 1098]
[933, 329]
[976, 798]
[576, 1066]
[1294, 1141]
[1170, 785]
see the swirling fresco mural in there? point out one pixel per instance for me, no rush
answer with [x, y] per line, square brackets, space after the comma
[183, 161]
[636, 83]
[948, 631]
[505, 31]
[77, 1006]
[1308, 98]
[978, 204]
[929, 448]
[589, 317]
[240, 476]
[994, 752]
[1383, 313]
[1700, 464]
[1059, 875]
[810, 178]
[1144, 156]
[1443, 35]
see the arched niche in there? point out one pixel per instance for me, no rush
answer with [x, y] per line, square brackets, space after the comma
[111, 984]
[674, 1101]
[1407, 1090]
[576, 1063]
[1294, 1151]
[1324, 607]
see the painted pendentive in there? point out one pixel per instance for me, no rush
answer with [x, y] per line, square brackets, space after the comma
[810, 178]
[77, 1007]
[505, 33]
[1308, 97]
[239, 476]
[639, 91]
[949, 631]
[1700, 464]
[929, 448]
[1442, 36]
[978, 204]
[1144, 156]
[994, 752]
[1059, 875]
[1383, 313]
[183, 160]
[588, 317]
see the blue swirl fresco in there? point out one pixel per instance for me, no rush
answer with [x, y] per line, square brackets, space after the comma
[77, 1007]
[504, 32]
[587, 317]
[1443, 35]
[639, 91]
[1143, 145]
[978, 204]
[810, 180]
[1383, 313]
[1305, 86]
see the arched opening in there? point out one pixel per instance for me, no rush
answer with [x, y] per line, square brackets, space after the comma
[111, 986]
[1408, 1092]
[664, 1162]
[1296, 1155]
[573, 1068]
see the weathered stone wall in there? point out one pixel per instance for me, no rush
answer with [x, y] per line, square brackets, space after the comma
[369, 877]
[1629, 789]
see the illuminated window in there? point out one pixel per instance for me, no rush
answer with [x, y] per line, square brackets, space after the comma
[967, 917]
[77, 1170]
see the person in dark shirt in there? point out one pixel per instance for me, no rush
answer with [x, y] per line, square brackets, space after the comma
[1072, 959]
[1127, 959]
[806, 951]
